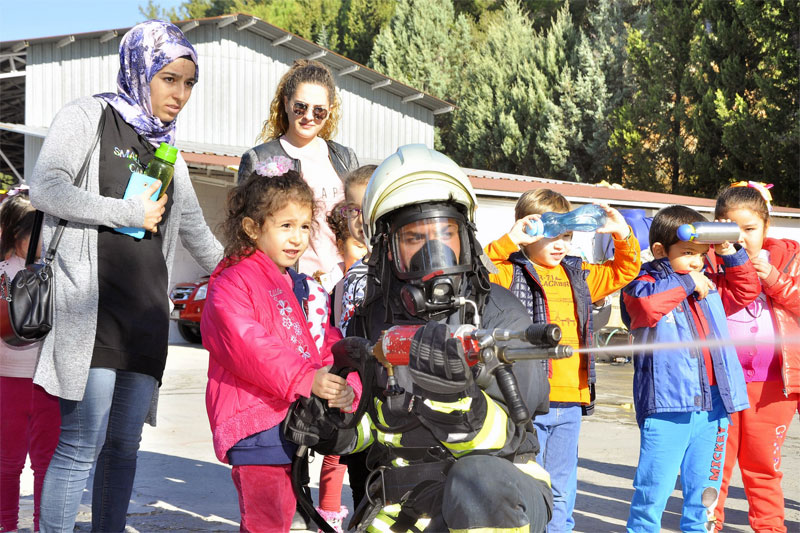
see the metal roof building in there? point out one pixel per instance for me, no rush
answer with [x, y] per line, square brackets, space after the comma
[241, 59]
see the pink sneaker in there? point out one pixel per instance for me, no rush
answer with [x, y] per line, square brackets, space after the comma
[335, 519]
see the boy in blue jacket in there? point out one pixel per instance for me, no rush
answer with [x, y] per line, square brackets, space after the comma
[684, 393]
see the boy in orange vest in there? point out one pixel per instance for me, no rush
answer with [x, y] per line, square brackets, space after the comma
[560, 288]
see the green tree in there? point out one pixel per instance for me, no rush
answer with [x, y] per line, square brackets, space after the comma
[476, 9]
[532, 102]
[151, 11]
[606, 28]
[650, 131]
[290, 15]
[543, 12]
[190, 9]
[423, 45]
[503, 98]
[746, 115]
[359, 23]
[574, 142]
[296, 16]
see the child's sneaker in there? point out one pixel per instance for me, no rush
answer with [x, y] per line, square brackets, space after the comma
[335, 519]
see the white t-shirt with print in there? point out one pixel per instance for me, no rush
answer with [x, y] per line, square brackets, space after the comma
[328, 189]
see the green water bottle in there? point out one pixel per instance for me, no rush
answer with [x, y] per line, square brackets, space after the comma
[162, 166]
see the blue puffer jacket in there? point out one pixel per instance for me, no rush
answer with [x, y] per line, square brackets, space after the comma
[656, 309]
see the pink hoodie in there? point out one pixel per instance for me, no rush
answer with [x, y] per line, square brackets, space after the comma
[262, 356]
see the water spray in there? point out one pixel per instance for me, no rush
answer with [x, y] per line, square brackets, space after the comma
[707, 343]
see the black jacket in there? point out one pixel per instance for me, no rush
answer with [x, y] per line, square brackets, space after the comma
[500, 310]
[342, 158]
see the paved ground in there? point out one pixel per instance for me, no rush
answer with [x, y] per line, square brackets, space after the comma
[180, 486]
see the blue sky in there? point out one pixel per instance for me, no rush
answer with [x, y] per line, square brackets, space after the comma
[28, 19]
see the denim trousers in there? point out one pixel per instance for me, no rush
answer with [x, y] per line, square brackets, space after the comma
[558, 433]
[104, 427]
[692, 444]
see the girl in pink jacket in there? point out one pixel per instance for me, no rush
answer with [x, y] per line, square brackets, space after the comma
[267, 332]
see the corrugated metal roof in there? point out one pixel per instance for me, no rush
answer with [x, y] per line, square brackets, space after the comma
[486, 183]
[33, 131]
[339, 64]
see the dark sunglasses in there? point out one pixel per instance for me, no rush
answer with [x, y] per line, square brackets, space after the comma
[301, 108]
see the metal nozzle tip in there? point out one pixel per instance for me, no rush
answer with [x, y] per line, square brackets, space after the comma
[563, 350]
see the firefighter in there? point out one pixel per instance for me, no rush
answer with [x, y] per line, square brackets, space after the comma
[443, 453]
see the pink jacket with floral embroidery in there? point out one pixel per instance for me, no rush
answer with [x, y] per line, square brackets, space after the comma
[262, 355]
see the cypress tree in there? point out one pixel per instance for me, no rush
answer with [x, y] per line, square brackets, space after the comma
[423, 45]
[649, 130]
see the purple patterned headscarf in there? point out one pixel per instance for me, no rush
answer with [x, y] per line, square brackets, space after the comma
[145, 50]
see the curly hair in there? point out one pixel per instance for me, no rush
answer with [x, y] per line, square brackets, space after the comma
[302, 71]
[16, 223]
[338, 222]
[258, 197]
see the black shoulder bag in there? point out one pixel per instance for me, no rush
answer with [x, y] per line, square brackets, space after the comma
[26, 309]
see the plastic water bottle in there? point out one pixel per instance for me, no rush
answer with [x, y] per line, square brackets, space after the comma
[589, 217]
[709, 232]
[162, 166]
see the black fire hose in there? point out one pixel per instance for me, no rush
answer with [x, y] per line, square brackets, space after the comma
[302, 492]
[349, 355]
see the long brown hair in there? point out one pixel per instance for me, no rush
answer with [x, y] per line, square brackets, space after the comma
[302, 71]
[257, 198]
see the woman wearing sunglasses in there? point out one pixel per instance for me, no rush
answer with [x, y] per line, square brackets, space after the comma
[303, 118]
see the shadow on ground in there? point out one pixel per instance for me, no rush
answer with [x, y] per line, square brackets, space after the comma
[604, 509]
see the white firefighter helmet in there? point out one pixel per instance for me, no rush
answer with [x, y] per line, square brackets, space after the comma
[415, 174]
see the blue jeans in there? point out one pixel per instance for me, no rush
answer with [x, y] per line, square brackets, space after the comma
[105, 426]
[690, 443]
[558, 433]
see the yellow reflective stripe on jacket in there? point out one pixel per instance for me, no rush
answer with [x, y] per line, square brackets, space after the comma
[463, 404]
[492, 435]
[387, 439]
[522, 529]
[535, 470]
[386, 517]
[364, 433]
[400, 462]
[379, 410]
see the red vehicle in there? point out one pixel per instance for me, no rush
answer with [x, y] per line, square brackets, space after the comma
[189, 299]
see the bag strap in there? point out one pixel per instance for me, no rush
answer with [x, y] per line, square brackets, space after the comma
[39, 217]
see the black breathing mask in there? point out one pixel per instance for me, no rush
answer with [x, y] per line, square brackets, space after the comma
[430, 252]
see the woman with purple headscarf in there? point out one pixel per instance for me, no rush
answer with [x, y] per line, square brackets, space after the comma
[106, 353]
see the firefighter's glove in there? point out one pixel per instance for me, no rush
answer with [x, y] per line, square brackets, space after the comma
[309, 423]
[437, 364]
